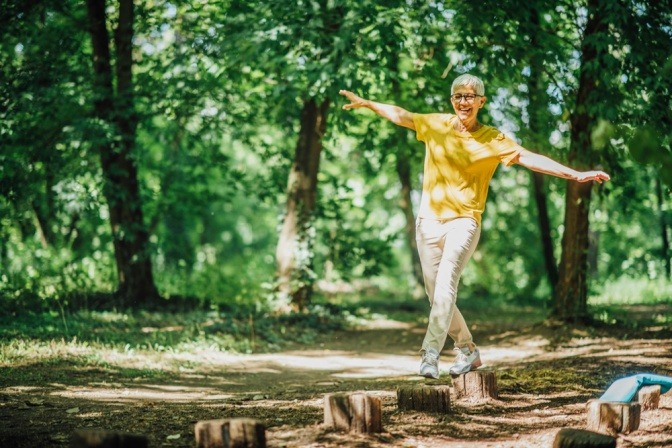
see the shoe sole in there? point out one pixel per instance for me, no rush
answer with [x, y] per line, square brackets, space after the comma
[429, 375]
[475, 365]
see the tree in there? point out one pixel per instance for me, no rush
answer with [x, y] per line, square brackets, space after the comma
[308, 53]
[115, 111]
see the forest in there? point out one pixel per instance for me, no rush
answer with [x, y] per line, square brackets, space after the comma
[192, 227]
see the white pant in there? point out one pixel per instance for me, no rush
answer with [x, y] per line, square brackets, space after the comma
[445, 247]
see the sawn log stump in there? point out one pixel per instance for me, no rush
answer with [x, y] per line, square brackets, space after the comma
[230, 433]
[611, 418]
[98, 438]
[579, 438]
[648, 397]
[477, 385]
[424, 398]
[358, 413]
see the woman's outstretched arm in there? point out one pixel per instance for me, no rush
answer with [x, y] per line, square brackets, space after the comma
[543, 164]
[395, 114]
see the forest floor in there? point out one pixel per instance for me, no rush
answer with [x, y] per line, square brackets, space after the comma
[545, 373]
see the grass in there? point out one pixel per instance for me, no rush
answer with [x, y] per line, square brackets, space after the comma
[631, 291]
[98, 338]
[159, 342]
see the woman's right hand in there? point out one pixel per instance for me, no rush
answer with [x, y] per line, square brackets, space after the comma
[355, 101]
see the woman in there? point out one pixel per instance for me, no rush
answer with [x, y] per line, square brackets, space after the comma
[461, 157]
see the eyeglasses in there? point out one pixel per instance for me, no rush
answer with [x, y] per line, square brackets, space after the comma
[468, 97]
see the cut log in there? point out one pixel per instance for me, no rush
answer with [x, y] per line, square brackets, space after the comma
[424, 398]
[477, 385]
[648, 397]
[230, 433]
[580, 438]
[98, 438]
[612, 418]
[358, 413]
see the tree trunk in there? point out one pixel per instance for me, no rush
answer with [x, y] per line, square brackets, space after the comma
[665, 249]
[294, 255]
[571, 295]
[536, 113]
[537, 93]
[43, 207]
[130, 237]
[545, 229]
[404, 172]
[403, 167]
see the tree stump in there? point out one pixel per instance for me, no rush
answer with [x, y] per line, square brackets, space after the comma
[230, 433]
[424, 398]
[611, 418]
[648, 397]
[98, 438]
[359, 413]
[579, 438]
[477, 385]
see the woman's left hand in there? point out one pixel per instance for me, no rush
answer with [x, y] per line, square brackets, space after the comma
[597, 176]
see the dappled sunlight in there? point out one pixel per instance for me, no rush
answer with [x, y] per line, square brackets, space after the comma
[544, 380]
[146, 392]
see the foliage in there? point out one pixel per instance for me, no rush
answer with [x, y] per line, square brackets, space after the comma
[219, 87]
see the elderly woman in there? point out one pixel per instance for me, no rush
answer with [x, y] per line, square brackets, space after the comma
[461, 157]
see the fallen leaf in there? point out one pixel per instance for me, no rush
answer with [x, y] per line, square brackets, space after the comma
[173, 437]
[72, 410]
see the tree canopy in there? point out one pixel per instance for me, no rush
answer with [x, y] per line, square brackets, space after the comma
[198, 149]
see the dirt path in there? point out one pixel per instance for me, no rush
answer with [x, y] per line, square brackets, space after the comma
[545, 376]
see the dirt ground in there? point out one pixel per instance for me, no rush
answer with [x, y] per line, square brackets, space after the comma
[545, 374]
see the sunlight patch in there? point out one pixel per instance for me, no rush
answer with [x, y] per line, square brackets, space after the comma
[153, 392]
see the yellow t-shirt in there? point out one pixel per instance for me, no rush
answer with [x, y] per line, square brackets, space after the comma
[459, 166]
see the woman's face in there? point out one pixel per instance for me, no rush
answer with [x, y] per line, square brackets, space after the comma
[466, 103]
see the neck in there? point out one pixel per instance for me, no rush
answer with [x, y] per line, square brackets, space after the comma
[467, 125]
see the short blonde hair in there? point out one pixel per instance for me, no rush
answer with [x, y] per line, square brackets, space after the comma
[468, 80]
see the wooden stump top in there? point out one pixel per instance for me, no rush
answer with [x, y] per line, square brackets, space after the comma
[98, 438]
[357, 413]
[612, 417]
[477, 385]
[579, 438]
[648, 397]
[230, 433]
[424, 398]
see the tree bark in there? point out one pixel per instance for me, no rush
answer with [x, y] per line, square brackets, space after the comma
[121, 189]
[537, 92]
[294, 252]
[544, 221]
[571, 295]
[403, 167]
[665, 247]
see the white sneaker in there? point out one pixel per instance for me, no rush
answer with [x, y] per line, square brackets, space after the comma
[429, 368]
[465, 361]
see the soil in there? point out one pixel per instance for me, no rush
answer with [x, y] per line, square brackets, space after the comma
[546, 373]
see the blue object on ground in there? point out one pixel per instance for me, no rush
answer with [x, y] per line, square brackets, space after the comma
[625, 389]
